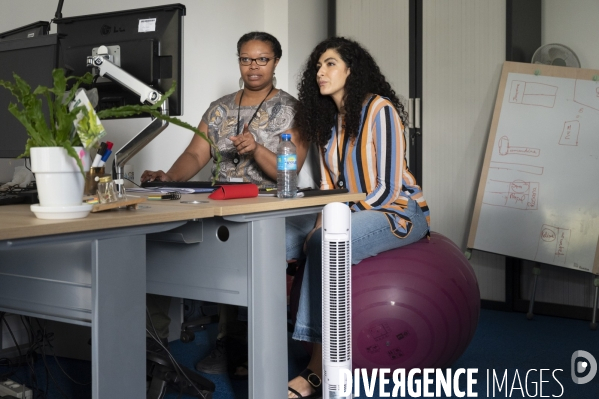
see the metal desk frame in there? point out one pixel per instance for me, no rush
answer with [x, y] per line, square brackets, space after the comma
[248, 269]
[85, 278]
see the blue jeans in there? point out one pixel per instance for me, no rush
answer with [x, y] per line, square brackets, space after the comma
[370, 234]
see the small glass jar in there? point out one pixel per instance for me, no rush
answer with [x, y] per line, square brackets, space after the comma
[106, 191]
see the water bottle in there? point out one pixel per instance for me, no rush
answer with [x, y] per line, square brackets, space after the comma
[286, 168]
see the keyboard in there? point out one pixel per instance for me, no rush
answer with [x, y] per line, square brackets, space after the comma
[11, 199]
[186, 184]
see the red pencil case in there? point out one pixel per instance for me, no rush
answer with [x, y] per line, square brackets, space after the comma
[234, 191]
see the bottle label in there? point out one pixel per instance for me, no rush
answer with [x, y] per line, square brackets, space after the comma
[287, 162]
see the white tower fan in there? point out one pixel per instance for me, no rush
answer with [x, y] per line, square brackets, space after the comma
[336, 298]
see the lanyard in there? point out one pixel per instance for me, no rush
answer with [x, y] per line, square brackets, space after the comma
[341, 157]
[236, 158]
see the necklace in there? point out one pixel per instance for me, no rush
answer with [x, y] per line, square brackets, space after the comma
[236, 159]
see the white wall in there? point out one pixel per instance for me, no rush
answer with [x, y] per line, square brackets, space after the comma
[211, 31]
[302, 39]
[574, 24]
[370, 22]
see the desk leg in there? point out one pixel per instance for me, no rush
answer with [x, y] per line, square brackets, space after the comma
[267, 310]
[118, 317]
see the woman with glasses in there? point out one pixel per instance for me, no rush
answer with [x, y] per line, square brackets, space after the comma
[347, 107]
[245, 126]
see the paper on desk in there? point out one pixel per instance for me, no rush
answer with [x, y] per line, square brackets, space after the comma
[267, 193]
[164, 190]
[188, 190]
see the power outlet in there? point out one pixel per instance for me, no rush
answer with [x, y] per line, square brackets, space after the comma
[15, 389]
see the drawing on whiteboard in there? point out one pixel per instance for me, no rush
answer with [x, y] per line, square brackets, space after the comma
[553, 245]
[518, 167]
[586, 93]
[570, 133]
[517, 194]
[506, 149]
[559, 224]
[530, 93]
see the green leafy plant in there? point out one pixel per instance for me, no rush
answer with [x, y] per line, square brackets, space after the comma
[58, 130]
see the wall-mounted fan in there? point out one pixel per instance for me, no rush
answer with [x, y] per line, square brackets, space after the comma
[556, 54]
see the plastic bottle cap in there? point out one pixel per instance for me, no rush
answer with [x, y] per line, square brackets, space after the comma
[286, 136]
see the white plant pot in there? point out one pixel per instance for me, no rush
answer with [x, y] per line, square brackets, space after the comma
[59, 180]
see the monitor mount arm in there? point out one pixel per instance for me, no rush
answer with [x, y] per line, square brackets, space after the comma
[105, 67]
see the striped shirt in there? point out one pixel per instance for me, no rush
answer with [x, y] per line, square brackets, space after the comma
[374, 163]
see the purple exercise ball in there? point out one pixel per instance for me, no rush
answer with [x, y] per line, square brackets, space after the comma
[416, 306]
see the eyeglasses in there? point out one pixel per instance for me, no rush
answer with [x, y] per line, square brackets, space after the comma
[261, 61]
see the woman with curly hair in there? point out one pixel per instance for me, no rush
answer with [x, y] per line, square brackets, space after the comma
[349, 109]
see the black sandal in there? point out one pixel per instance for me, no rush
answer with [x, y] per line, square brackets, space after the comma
[314, 380]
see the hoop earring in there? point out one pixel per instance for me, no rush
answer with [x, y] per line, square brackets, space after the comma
[240, 83]
[274, 81]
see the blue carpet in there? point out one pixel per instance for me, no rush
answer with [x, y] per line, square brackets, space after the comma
[504, 343]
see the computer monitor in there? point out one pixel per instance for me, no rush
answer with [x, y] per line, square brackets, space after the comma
[33, 60]
[35, 29]
[146, 43]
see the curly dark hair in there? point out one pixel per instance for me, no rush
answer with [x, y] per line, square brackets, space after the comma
[316, 114]
[263, 37]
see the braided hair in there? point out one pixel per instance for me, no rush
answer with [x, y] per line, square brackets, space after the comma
[263, 37]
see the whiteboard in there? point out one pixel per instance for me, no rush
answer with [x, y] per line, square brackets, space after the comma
[538, 196]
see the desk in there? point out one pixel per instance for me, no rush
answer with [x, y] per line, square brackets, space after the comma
[83, 271]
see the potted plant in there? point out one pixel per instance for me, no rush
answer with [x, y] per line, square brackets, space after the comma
[58, 158]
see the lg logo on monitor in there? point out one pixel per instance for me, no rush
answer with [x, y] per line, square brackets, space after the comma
[108, 29]
[583, 363]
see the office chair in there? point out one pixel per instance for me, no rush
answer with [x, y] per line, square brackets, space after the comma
[197, 315]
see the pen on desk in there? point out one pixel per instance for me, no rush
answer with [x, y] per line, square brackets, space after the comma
[301, 191]
[168, 196]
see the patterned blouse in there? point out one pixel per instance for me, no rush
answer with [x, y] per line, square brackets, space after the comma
[374, 163]
[274, 118]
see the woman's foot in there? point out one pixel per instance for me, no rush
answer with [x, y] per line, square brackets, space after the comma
[307, 385]
[216, 361]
